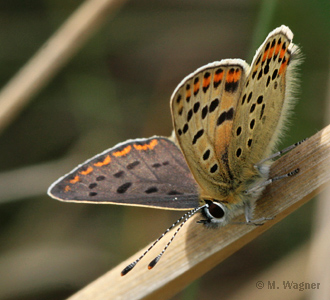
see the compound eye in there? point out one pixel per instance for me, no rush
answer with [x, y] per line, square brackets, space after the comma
[216, 211]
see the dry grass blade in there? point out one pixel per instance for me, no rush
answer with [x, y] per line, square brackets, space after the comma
[53, 55]
[196, 249]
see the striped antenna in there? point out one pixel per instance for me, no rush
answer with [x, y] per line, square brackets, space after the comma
[183, 220]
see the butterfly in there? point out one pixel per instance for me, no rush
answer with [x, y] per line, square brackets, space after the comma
[227, 118]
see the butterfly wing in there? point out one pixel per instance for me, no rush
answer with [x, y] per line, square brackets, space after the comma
[264, 103]
[144, 172]
[203, 107]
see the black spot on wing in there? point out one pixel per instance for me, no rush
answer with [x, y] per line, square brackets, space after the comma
[196, 107]
[259, 75]
[204, 112]
[197, 136]
[185, 128]
[231, 86]
[225, 116]
[214, 168]
[214, 104]
[132, 165]
[119, 174]
[151, 190]
[206, 154]
[274, 74]
[92, 185]
[260, 99]
[243, 99]
[266, 69]
[249, 97]
[230, 114]
[124, 187]
[189, 115]
[252, 123]
[262, 111]
[221, 118]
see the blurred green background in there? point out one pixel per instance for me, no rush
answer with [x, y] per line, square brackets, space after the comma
[118, 87]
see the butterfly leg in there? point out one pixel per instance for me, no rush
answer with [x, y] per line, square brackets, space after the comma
[249, 210]
[271, 180]
[279, 153]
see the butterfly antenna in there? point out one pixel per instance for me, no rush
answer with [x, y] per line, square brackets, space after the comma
[132, 265]
[185, 217]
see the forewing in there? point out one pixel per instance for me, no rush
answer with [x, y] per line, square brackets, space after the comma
[203, 107]
[144, 172]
